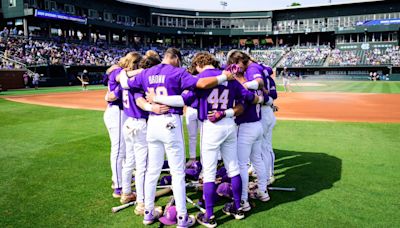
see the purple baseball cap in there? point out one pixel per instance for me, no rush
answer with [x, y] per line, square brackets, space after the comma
[166, 180]
[196, 165]
[224, 189]
[169, 218]
[221, 172]
[192, 174]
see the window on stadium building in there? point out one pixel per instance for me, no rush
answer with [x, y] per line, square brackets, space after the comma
[13, 3]
[94, 14]
[69, 9]
[107, 16]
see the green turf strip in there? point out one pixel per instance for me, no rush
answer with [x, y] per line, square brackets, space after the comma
[54, 170]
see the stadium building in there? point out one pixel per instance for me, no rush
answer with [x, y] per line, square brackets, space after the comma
[331, 40]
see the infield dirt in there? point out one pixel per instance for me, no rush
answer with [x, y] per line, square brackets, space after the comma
[348, 107]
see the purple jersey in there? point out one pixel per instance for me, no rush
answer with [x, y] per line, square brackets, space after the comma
[252, 112]
[195, 104]
[221, 97]
[166, 80]
[269, 83]
[113, 86]
[271, 87]
[130, 107]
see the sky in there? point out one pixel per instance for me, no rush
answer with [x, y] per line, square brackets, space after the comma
[233, 5]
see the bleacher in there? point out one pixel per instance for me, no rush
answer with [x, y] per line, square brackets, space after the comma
[303, 57]
[269, 57]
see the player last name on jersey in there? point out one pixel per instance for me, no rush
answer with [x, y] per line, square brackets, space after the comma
[155, 79]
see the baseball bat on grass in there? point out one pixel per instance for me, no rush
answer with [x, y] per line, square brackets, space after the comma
[123, 206]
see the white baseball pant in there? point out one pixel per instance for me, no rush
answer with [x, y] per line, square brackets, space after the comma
[268, 121]
[249, 147]
[114, 118]
[219, 138]
[135, 131]
[160, 138]
[192, 124]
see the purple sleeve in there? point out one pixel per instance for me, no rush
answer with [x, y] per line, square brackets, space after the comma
[188, 82]
[138, 95]
[272, 89]
[135, 83]
[112, 83]
[189, 97]
[118, 91]
[253, 73]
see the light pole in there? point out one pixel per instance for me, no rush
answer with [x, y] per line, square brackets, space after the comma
[223, 4]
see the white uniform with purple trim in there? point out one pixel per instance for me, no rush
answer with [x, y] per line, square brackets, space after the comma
[220, 138]
[250, 136]
[268, 119]
[135, 132]
[164, 132]
[114, 119]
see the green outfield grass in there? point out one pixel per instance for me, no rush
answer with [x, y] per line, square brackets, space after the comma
[344, 86]
[43, 90]
[55, 172]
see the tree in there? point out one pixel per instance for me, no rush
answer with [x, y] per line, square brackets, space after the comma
[295, 4]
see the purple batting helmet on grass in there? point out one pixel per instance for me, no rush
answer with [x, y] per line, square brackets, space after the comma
[166, 180]
[170, 217]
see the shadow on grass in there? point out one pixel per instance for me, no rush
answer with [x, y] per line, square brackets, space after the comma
[308, 172]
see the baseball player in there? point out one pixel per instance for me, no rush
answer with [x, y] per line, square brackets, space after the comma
[164, 132]
[286, 79]
[219, 136]
[114, 118]
[268, 120]
[250, 130]
[135, 129]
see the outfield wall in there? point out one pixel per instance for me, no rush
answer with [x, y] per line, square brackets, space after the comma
[11, 79]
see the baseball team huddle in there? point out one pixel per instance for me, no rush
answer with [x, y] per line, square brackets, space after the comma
[231, 106]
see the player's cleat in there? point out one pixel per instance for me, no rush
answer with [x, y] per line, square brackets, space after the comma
[263, 196]
[117, 193]
[207, 222]
[252, 171]
[245, 205]
[186, 221]
[230, 209]
[190, 162]
[150, 217]
[126, 198]
[139, 209]
[271, 180]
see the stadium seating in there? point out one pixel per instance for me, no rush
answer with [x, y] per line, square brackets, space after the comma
[47, 52]
[301, 57]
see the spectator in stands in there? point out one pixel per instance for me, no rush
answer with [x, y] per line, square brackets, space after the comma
[5, 32]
